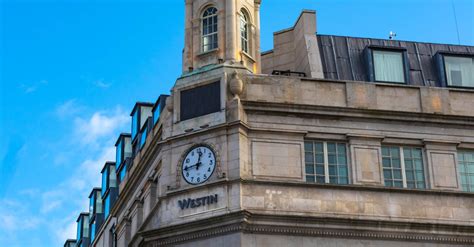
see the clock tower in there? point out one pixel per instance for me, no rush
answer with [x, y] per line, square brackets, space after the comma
[222, 32]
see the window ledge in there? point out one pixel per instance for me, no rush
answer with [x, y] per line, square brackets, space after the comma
[248, 56]
[208, 53]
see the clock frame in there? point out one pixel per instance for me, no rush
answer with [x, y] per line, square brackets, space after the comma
[182, 165]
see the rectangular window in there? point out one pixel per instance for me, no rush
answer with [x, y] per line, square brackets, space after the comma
[118, 153]
[106, 206]
[388, 66]
[92, 231]
[459, 71]
[403, 167]
[127, 147]
[112, 177]
[98, 205]
[92, 204]
[466, 170]
[135, 125]
[326, 162]
[156, 115]
[200, 101]
[123, 172]
[85, 223]
[79, 229]
[104, 181]
[143, 138]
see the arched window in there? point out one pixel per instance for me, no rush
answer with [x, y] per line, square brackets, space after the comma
[209, 29]
[244, 31]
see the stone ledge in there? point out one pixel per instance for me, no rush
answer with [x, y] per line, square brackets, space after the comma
[247, 222]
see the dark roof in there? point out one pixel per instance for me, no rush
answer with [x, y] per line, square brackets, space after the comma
[343, 58]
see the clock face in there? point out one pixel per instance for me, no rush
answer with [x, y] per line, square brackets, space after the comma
[198, 165]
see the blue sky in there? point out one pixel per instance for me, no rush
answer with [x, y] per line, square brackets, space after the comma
[70, 72]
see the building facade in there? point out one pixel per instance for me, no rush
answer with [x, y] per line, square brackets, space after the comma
[323, 141]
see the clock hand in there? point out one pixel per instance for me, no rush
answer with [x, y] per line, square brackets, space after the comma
[188, 167]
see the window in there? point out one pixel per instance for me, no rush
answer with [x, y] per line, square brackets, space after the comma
[98, 201]
[459, 71]
[104, 181]
[209, 29]
[200, 101]
[106, 206]
[92, 226]
[156, 115]
[244, 26]
[123, 172]
[466, 170]
[112, 177]
[403, 167]
[134, 124]
[91, 204]
[388, 66]
[79, 229]
[143, 137]
[326, 162]
[86, 226]
[118, 153]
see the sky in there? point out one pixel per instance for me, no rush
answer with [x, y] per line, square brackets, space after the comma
[71, 71]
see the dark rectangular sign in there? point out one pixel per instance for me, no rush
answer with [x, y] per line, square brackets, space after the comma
[200, 101]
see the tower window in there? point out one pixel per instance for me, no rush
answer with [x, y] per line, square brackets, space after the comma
[209, 29]
[244, 33]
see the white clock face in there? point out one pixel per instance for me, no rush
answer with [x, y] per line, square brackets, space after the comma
[198, 165]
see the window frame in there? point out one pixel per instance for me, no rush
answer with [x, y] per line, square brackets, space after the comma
[441, 66]
[216, 33]
[326, 162]
[369, 54]
[244, 16]
[403, 166]
[470, 188]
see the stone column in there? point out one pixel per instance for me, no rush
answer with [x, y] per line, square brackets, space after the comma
[230, 31]
[257, 51]
[188, 36]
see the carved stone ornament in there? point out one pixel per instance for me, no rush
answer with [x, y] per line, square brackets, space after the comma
[236, 85]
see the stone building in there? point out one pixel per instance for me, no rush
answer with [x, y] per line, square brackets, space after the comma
[323, 141]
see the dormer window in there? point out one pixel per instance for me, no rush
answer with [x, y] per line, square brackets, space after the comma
[109, 187]
[95, 202]
[83, 229]
[244, 31]
[109, 179]
[123, 152]
[459, 71]
[209, 29]
[158, 108]
[140, 113]
[387, 64]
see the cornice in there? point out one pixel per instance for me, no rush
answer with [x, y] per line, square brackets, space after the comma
[247, 222]
[355, 113]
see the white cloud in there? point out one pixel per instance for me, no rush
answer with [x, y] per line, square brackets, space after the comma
[13, 217]
[30, 88]
[102, 84]
[100, 125]
[68, 108]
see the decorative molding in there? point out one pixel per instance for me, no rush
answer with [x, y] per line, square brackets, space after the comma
[284, 225]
